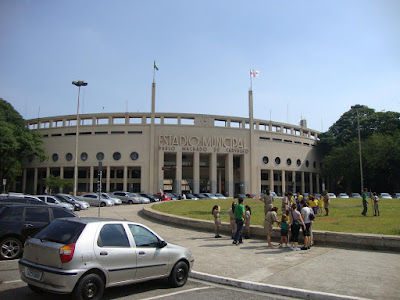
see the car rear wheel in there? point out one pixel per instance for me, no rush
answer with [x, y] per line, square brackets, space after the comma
[179, 274]
[11, 248]
[130, 202]
[90, 286]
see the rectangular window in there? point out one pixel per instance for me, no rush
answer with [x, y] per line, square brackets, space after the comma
[113, 235]
[37, 214]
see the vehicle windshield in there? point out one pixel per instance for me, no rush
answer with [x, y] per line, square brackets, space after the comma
[130, 195]
[106, 196]
[61, 231]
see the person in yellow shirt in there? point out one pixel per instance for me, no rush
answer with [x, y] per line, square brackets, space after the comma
[320, 205]
[312, 204]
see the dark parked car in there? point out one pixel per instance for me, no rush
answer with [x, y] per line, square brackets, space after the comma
[200, 196]
[23, 200]
[19, 221]
[150, 197]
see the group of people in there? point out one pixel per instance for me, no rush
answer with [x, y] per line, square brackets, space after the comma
[374, 202]
[297, 212]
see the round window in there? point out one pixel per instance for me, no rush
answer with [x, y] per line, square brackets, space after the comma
[100, 156]
[265, 159]
[134, 155]
[84, 156]
[298, 162]
[117, 156]
[277, 160]
[68, 157]
[54, 157]
[307, 163]
[289, 161]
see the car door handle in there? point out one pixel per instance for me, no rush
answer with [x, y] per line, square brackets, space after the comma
[103, 253]
[28, 225]
[142, 253]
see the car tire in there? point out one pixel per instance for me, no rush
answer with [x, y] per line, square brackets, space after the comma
[10, 248]
[179, 274]
[102, 204]
[36, 289]
[130, 202]
[90, 286]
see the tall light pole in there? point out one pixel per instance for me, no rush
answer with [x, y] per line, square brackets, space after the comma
[78, 84]
[357, 107]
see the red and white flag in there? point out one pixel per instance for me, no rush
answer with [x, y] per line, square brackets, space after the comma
[254, 73]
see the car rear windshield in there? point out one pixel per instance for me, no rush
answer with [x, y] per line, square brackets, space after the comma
[61, 231]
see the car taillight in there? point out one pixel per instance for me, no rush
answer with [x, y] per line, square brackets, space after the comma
[67, 252]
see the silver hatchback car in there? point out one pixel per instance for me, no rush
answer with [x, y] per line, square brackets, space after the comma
[86, 255]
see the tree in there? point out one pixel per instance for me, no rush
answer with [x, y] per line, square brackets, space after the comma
[17, 143]
[380, 135]
[55, 182]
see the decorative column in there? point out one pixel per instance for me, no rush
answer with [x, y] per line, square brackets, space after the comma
[160, 172]
[178, 173]
[229, 175]
[219, 190]
[294, 181]
[47, 176]
[244, 174]
[35, 180]
[61, 177]
[91, 179]
[108, 179]
[318, 187]
[271, 180]
[303, 185]
[196, 172]
[311, 183]
[125, 184]
[283, 182]
[213, 173]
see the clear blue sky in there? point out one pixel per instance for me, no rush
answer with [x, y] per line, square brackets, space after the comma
[316, 58]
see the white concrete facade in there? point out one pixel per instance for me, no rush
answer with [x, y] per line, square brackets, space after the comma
[146, 152]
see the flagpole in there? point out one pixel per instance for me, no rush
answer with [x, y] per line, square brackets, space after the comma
[251, 82]
[154, 74]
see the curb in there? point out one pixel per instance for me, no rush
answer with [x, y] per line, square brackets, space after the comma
[324, 238]
[270, 289]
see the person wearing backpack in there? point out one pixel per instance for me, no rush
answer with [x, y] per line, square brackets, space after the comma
[306, 211]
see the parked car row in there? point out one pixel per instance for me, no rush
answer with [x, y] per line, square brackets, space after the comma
[357, 195]
[20, 220]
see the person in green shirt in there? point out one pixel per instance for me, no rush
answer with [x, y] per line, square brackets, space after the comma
[240, 216]
[364, 202]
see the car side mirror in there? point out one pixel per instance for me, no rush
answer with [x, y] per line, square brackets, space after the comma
[163, 244]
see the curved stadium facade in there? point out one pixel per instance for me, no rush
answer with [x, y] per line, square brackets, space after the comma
[149, 152]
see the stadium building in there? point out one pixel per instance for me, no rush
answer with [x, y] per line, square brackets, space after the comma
[179, 152]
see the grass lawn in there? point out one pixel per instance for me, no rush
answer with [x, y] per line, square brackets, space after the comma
[344, 214]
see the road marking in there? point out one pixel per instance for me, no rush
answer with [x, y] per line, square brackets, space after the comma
[12, 281]
[180, 292]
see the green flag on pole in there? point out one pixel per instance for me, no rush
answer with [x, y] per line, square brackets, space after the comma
[155, 66]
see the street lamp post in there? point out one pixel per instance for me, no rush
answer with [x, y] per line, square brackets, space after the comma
[357, 107]
[78, 84]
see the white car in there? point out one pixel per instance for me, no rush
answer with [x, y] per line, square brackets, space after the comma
[210, 196]
[385, 196]
[53, 200]
[355, 195]
[93, 199]
[116, 200]
[332, 195]
[220, 196]
[343, 195]
[142, 199]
